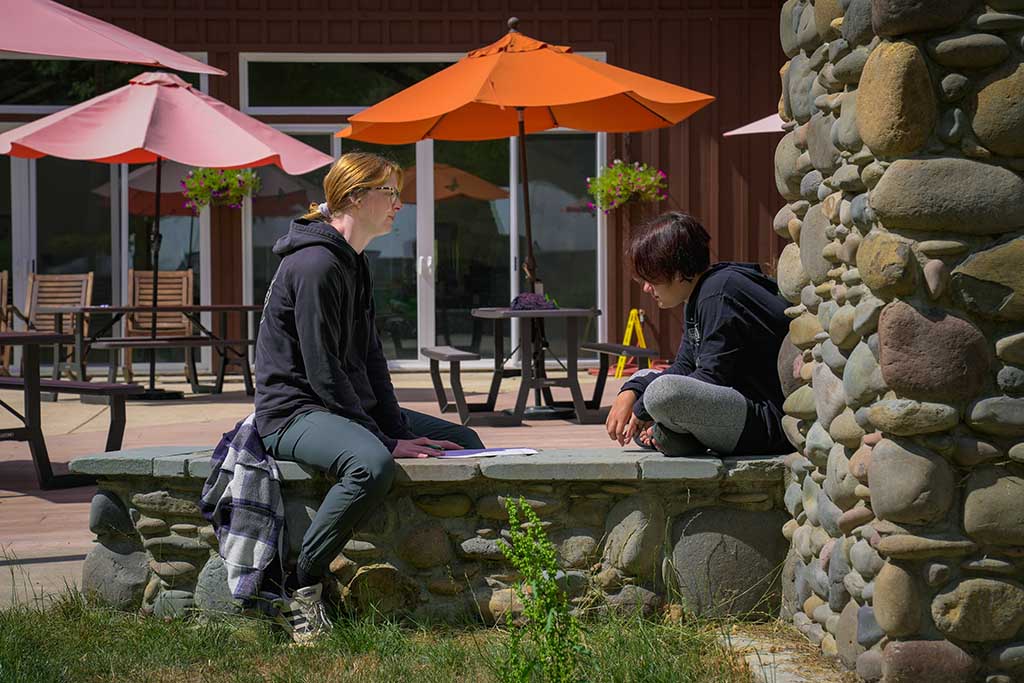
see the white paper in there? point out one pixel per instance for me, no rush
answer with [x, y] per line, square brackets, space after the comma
[487, 452]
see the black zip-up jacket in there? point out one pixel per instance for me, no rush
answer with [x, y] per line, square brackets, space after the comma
[734, 324]
[318, 347]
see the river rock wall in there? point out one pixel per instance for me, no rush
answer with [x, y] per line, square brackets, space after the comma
[904, 370]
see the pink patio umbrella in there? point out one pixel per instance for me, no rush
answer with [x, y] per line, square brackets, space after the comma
[44, 27]
[769, 124]
[158, 116]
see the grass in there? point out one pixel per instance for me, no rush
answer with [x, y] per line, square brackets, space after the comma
[72, 640]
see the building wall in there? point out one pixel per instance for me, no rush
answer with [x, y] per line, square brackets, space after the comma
[905, 375]
[728, 48]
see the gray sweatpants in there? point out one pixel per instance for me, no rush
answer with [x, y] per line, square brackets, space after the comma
[692, 416]
[361, 465]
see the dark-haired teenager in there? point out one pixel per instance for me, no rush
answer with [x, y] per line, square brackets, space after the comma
[722, 392]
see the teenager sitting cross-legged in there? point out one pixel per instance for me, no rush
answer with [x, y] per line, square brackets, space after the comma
[722, 392]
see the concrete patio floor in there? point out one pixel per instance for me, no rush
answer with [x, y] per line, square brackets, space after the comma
[44, 535]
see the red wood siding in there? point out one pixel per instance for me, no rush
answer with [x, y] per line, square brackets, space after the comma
[729, 48]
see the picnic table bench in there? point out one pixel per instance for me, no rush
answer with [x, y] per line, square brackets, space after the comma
[31, 385]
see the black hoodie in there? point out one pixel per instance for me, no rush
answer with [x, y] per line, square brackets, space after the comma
[318, 347]
[734, 323]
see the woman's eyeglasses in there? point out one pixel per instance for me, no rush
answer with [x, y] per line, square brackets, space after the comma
[394, 192]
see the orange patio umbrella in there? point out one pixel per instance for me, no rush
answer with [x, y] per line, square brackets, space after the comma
[521, 85]
[449, 182]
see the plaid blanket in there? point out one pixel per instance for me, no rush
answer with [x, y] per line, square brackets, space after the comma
[242, 498]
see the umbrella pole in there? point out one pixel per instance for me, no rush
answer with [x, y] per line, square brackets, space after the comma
[154, 261]
[529, 265]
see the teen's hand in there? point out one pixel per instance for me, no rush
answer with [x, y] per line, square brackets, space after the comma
[422, 447]
[640, 429]
[620, 417]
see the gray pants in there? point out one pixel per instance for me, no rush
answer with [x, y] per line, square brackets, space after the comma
[692, 416]
[363, 468]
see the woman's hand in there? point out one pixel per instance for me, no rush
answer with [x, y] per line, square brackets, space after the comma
[422, 447]
[622, 424]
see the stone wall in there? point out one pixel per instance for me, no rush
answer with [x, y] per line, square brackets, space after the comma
[901, 170]
[631, 530]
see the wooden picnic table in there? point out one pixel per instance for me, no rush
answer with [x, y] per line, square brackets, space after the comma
[84, 343]
[31, 386]
[532, 345]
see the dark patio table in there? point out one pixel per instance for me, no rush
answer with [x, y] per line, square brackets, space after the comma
[534, 374]
[83, 342]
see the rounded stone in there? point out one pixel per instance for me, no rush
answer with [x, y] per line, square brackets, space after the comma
[980, 609]
[800, 404]
[790, 273]
[1008, 657]
[869, 666]
[993, 514]
[969, 51]
[955, 87]
[426, 546]
[1000, 416]
[108, 516]
[825, 12]
[909, 484]
[857, 29]
[807, 31]
[634, 531]
[787, 28]
[829, 397]
[445, 505]
[886, 264]
[914, 195]
[850, 68]
[382, 589]
[172, 604]
[839, 486]
[905, 417]
[803, 330]
[897, 601]
[935, 661]
[907, 547]
[813, 241]
[855, 517]
[903, 107]
[823, 153]
[845, 430]
[931, 355]
[725, 560]
[785, 364]
[991, 282]
[116, 573]
[999, 114]
[1011, 380]
[577, 548]
[865, 559]
[841, 330]
[1011, 349]
[897, 17]
[212, 592]
[862, 376]
[969, 451]
[787, 172]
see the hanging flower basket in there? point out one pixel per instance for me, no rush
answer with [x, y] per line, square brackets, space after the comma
[205, 186]
[622, 183]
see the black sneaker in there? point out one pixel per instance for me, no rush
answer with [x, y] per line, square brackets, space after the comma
[304, 616]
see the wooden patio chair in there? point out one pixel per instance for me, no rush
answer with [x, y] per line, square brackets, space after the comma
[175, 289]
[55, 290]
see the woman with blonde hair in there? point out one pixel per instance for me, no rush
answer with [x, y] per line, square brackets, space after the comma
[324, 396]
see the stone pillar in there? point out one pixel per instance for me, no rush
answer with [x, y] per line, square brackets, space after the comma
[901, 170]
